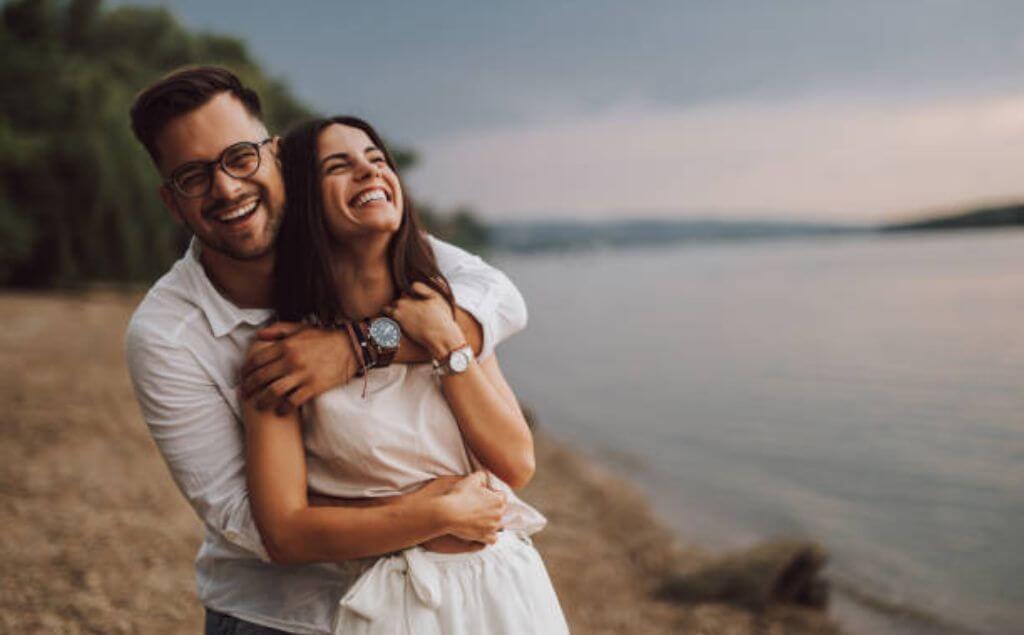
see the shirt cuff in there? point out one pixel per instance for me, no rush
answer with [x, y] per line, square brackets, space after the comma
[483, 307]
[243, 533]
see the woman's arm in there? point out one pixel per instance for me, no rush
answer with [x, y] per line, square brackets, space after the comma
[491, 421]
[294, 532]
[484, 405]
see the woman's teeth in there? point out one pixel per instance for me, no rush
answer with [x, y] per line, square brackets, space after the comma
[371, 195]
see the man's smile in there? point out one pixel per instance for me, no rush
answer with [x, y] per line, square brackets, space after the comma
[237, 213]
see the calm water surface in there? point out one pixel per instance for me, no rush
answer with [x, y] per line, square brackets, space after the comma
[863, 391]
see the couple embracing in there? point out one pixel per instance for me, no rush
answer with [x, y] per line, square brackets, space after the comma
[319, 375]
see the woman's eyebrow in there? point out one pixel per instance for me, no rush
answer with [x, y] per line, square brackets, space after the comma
[337, 155]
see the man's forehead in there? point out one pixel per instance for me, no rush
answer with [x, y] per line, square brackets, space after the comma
[202, 134]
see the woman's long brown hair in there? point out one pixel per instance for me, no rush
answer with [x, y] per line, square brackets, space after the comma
[304, 281]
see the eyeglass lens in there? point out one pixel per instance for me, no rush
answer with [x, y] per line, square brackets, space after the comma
[240, 161]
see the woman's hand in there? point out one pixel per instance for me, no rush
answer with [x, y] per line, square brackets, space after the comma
[428, 319]
[474, 510]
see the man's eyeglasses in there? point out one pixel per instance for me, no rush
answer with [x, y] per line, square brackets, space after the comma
[239, 160]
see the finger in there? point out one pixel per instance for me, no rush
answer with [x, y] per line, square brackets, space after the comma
[261, 356]
[279, 330]
[275, 392]
[297, 398]
[423, 290]
[388, 309]
[262, 377]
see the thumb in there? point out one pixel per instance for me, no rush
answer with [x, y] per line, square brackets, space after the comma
[279, 330]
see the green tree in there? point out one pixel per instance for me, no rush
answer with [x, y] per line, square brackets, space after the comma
[77, 192]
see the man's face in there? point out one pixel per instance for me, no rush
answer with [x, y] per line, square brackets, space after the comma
[238, 218]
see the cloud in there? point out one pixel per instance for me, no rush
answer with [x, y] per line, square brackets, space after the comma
[830, 158]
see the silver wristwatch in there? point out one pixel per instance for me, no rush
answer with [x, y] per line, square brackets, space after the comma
[458, 362]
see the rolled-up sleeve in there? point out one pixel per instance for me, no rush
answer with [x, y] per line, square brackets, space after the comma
[484, 292]
[196, 432]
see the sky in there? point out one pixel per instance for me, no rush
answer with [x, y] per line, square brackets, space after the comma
[856, 112]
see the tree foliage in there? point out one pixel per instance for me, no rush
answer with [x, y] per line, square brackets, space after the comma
[78, 196]
[77, 192]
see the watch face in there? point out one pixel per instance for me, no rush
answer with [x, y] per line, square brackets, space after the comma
[385, 332]
[458, 361]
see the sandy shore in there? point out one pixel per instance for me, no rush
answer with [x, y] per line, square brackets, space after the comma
[97, 539]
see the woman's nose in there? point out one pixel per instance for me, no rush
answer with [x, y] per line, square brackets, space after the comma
[365, 169]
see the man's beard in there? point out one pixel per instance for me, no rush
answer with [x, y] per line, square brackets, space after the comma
[245, 254]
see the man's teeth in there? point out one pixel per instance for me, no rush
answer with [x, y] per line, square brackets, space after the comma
[372, 195]
[240, 212]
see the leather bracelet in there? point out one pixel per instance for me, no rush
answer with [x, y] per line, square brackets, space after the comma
[364, 346]
[354, 341]
[363, 369]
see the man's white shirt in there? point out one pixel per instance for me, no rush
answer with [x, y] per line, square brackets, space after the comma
[185, 346]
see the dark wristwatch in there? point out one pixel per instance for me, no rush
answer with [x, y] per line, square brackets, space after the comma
[382, 338]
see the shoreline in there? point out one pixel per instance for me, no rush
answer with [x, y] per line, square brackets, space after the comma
[98, 539]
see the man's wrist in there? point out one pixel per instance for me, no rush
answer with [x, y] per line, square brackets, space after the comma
[349, 353]
[443, 513]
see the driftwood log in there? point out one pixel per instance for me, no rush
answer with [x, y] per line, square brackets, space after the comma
[776, 571]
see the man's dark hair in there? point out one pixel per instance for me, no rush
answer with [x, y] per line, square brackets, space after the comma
[180, 92]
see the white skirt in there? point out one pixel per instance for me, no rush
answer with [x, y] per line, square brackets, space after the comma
[503, 589]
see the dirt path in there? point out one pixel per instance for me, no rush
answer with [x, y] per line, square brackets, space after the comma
[96, 539]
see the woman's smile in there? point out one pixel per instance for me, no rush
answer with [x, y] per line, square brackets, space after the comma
[361, 191]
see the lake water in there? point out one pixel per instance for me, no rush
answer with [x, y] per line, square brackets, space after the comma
[864, 391]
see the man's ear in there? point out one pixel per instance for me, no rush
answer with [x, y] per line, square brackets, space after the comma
[170, 204]
[275, 149]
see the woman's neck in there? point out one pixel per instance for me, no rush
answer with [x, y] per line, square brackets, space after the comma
[363, 275]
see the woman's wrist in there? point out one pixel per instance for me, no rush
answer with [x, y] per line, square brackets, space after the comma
[444, 341]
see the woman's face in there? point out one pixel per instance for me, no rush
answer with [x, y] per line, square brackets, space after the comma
[361, 193]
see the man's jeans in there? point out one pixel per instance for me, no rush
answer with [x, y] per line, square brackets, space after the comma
[221, 624]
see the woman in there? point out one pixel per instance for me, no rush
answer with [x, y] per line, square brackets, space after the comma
[350, 248]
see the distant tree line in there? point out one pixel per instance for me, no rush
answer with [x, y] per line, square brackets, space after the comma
[77, 193]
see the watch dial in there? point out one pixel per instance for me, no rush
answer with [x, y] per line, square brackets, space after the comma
[459, 361]
[385, 332]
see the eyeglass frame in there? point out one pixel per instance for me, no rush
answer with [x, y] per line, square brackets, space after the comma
[209, 167]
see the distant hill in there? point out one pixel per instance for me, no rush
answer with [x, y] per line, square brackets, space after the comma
[984, 217]
[551, 235]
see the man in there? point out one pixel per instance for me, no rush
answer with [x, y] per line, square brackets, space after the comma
[187, 344]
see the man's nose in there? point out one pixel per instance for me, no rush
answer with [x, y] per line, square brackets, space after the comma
[224, 186]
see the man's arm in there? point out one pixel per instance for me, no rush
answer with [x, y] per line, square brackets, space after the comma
[197, 434]
[203, 445]
[484, 292]
[294, 363]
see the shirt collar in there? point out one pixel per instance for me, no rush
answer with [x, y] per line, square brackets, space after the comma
[223, 315]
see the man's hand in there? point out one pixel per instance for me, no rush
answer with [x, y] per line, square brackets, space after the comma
[290, 363]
